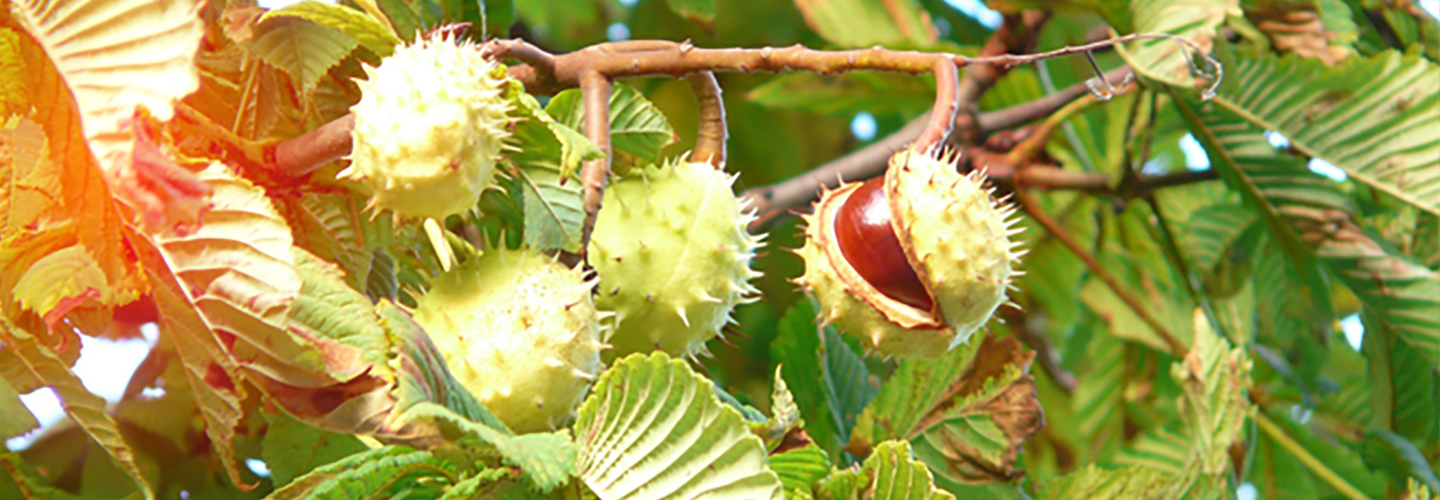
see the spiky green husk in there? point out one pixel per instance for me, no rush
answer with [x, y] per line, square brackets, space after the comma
[956, 237]
[518, 330]
[673, 256]
[428, 129]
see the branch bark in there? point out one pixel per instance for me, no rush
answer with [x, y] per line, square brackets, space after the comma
[712, 134]
[774, 200]
[594, 174]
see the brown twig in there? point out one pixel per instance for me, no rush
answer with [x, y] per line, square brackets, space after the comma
[1017, 35]
[1034, 338]
[595, 89]
[300, 156]
[1035, 211]
[774, 200]
[712, 133]
[947, 103]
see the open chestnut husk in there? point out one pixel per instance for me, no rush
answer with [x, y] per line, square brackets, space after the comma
[912, 263]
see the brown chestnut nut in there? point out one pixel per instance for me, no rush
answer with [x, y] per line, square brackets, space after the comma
[912, 263]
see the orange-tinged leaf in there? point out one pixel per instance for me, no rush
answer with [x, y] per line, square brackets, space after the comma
[58, 282]
[29, 184]
[239, 272]
[53, 183]
[121, 59]
[210, 370]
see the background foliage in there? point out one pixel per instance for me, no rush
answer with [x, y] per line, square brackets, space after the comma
[1318, 205]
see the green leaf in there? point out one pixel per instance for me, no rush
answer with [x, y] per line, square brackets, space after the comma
[1163, 59]
[87, 409]
[403, 17]
[1404, 389]
[369, 32]
[830, 382]
[1099, 397]
[1336, 466]
[701, 12]
[15, 418]
[554, 209]
[966, 420]
[1215, 380]
[1416, 490]
[1371, 117]
[332, 225]
[301, 48]
[491, 483]
[845, 94]
[291, 448]
[1151, 287]
[389, 472]
[1391, 454]
[546, 459]
[542, 142]
[653, 428]
[29, 484]
[1213, 240]
[862, 23]
[1095, 482]
[638, 129]
[890, 473]
[1311, 219]
[800, 468]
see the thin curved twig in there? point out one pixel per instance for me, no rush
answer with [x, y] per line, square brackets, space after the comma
[595, 90]
[947, 104]
[712, 134]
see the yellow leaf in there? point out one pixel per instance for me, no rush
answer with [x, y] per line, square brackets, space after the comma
[59, 282]
[123, 59]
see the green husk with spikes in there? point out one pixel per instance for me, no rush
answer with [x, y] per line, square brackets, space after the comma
[673, 256]
[429, 128]
[520, 331]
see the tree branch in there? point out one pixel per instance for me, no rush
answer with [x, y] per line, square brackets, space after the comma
[711, 136]
[595, 89]
[774, 200]
[1033, 209]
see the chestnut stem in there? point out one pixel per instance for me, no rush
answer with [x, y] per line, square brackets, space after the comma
[947, 103]
[712, 133]
[300, 156]
[595, 90]
[1035, 211]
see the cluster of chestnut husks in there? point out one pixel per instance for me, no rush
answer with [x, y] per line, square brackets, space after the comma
[913, 263]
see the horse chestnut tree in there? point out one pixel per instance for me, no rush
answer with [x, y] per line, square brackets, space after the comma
[449, 249]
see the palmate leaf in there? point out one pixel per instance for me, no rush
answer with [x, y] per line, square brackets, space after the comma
[301, 48]
[117, 57]
[1387, 452]
[1214, 241]
[209, 369]
[1098, 400]
[1214, 378]
[1332, 467]
[830, 382]
[638, 130]
[547, 460]
[1372, 117]
[800, 468]
[59, 214]
[890, 473]
[1163, 59]
[1404, 389]
[860, 23]
[1096, 482]
[966, 414]
[15, 418]
[652, 428]
[541, 141]
[249, 299]
[388, 472]
[291, 448]
[333, 226]
[554, 211]
[1312, 221]
[28, 483]
[86, 409]
[369, 32]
